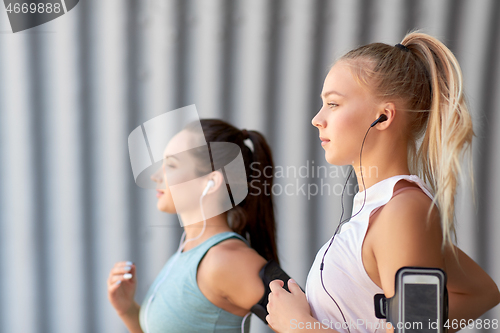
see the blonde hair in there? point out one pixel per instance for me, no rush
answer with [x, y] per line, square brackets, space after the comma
[422, 75]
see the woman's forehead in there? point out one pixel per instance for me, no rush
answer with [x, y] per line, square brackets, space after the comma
[182, 141]
[346, 78]
[339, 81]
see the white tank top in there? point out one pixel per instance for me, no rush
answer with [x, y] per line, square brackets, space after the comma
[344, 275]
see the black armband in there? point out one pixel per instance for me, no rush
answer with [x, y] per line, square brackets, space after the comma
[420, 301]
[271, 271]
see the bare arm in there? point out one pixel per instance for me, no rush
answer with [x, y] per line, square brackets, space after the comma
[131, 318]
[231, 271]
[121, 294]
[234, 274]
[471, 290]
[403, 240]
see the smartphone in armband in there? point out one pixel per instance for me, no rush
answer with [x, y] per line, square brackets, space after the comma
[420, 302]
[271, 271]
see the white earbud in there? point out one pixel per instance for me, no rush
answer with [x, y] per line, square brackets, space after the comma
[210, 184]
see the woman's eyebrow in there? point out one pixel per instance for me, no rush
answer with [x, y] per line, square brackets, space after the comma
[171, 156]
[332, 92]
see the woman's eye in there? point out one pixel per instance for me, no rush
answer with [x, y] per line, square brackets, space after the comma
[333, 104]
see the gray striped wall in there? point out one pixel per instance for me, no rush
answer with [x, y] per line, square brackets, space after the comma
[73, 89]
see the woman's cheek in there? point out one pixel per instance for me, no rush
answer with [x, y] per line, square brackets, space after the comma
[166, 203]
[339, 149]
[332, 152]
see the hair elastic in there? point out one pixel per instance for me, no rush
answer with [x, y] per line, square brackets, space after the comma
[245, 134]
[402, 47]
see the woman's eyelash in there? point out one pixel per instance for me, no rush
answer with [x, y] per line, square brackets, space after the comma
[333, 104]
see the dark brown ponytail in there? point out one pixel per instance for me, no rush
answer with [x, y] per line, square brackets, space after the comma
[253, 218]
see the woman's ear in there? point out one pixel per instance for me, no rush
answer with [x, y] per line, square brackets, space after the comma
[386, 115]
[218, 180]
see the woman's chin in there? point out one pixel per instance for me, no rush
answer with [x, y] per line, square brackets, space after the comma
[332, 159]
[162, 207]
[335, 159]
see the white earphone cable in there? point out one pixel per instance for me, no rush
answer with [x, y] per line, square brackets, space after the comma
[243, 322]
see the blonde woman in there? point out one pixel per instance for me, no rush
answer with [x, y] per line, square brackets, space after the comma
[378, 101]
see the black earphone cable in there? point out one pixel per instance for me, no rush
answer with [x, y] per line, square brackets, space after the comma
[380, 119]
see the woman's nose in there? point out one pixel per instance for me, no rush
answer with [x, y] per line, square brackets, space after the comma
[157, 177]
[317, 120]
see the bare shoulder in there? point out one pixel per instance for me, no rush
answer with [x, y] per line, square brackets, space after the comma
[234, 253]
[404, 236]
[232, 269]
[408, 211]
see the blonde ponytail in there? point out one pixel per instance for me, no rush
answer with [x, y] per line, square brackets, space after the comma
[449, 130]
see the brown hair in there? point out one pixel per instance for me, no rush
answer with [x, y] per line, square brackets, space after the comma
[253, 218]
[424, 78]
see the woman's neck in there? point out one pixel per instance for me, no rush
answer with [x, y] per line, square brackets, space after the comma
[380, 165]
[214, 226]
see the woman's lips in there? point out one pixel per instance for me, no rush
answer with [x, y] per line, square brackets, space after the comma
[324, 141]
[159, 193]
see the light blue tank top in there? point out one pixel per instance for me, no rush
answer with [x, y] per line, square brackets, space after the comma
[178, 306]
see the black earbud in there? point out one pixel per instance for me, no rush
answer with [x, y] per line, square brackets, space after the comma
[380, 119]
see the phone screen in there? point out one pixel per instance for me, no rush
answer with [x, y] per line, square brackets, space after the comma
[420, 307]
